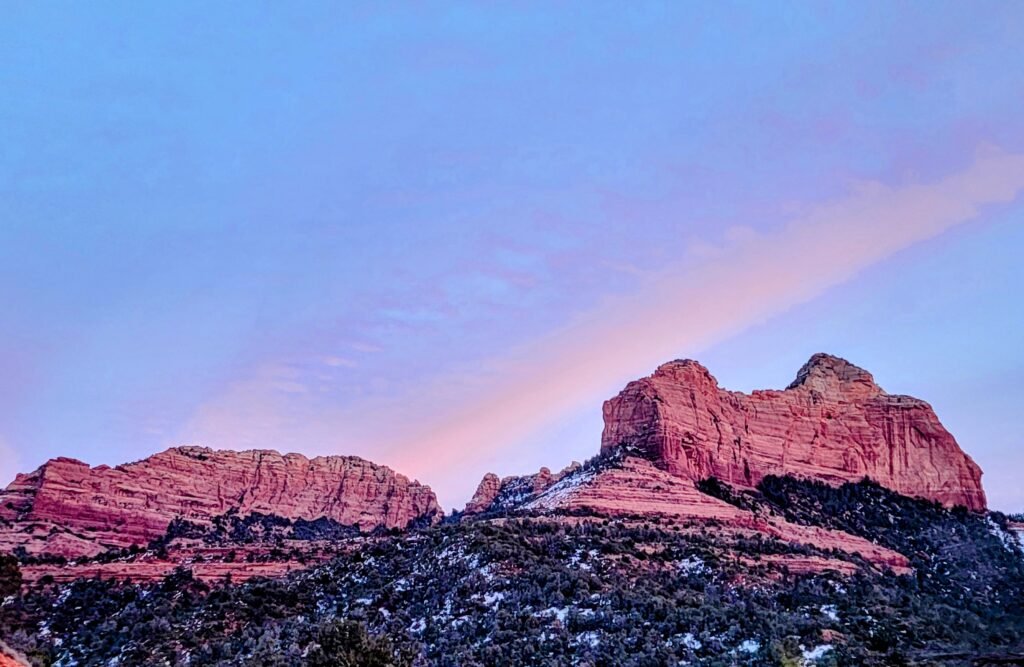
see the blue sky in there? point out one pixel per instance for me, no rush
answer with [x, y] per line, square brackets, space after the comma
[328, 227]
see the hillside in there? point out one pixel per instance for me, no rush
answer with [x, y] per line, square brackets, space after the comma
[519, 589]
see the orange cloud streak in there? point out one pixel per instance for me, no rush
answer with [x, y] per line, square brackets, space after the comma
[444, 432]
[684, 311]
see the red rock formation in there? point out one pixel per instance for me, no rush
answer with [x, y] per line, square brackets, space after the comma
[10, 658]
[485, 494]
[207, 563]
[635, 487]
[494, 494]
[67, 507]
[664, 433]
[832, 423]
[632, 487]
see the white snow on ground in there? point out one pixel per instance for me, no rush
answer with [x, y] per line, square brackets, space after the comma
[576, 560]
[559, 613]
[691, 642]
[561, 490]
[831, 611]
[692, 565]
[590, 638]
[490, 598]
[1009, 540]
[749, 646]
[812, 655]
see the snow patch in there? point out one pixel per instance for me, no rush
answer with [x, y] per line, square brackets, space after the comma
[749, 646]
[1009, 541]
[689, 641]
[558, 613]
[816, 653]
[491, 598]
[692, 565]
[561, 491]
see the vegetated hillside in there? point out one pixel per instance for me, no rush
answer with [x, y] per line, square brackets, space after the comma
[537, 590]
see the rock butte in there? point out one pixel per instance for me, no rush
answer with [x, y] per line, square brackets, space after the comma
[833, 423]
[677, 427]
[68, 508]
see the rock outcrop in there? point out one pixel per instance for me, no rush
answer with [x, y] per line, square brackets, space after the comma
[833, 423]
[494, 494]
[69, 508]
[486, 493]
[11, 658]
[626, 486]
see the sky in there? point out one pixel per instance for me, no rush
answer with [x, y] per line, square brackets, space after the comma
[440, 235]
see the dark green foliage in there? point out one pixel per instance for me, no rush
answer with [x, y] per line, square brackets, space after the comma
[527, 591]
[718, 489]
[231, 528]
[955, 553]
[10, 576]
[347, 644]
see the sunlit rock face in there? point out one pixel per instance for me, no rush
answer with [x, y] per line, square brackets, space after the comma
[486, 492]
[665, 433]
[833, 423]
[8, 658]
[67, 507]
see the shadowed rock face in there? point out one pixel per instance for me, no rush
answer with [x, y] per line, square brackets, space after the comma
[67, 507]
[494, 494]
[833, 423]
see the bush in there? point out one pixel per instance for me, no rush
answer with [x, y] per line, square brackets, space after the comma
[342, 643]
[10, 576]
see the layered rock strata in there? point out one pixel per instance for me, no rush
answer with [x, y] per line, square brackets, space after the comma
[67, 507]
[632, 487]
[833, 423]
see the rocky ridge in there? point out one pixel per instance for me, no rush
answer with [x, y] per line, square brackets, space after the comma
[628, 486]
[68, 508]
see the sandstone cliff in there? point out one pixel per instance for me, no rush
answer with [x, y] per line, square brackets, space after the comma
[67, 507]
[833, 423]
[666, 432]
